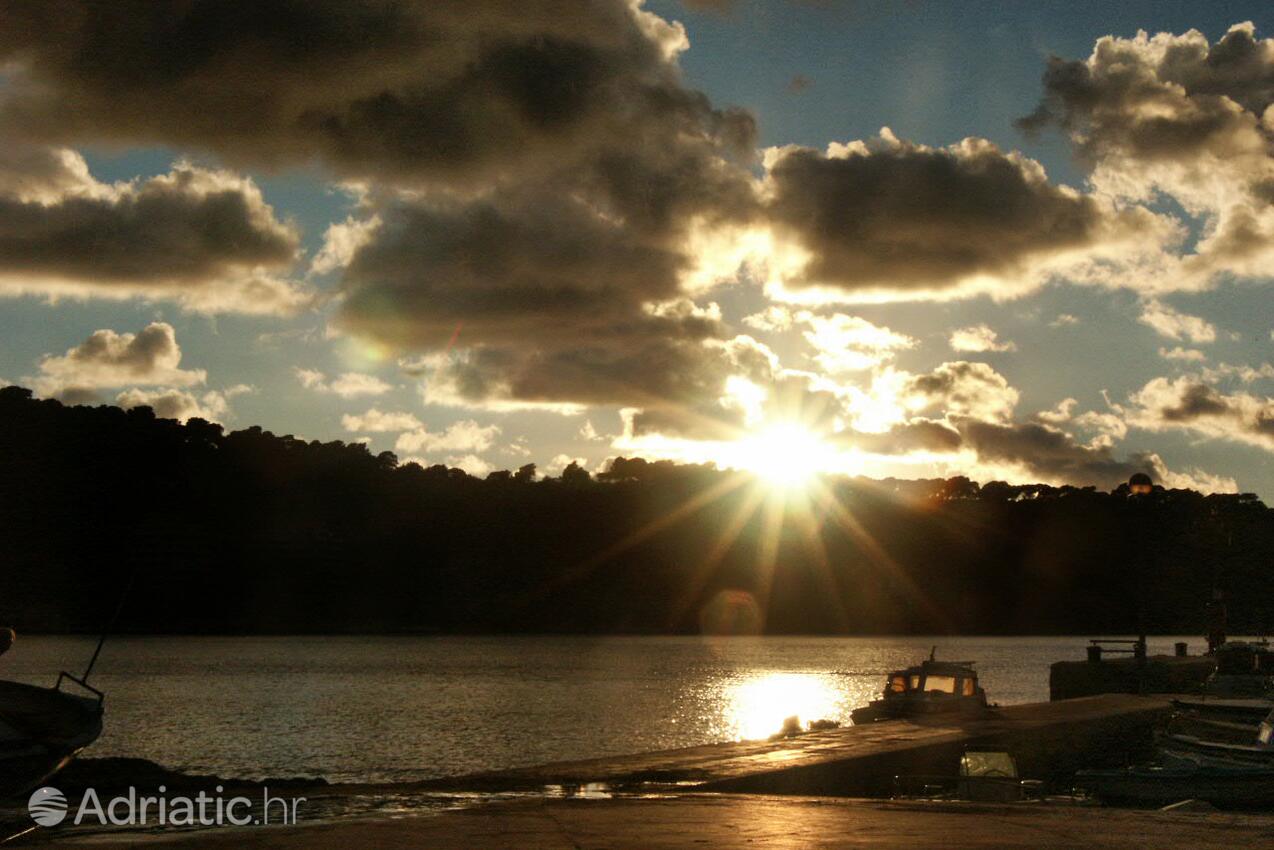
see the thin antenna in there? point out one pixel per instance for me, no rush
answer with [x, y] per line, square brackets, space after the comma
[110, 626]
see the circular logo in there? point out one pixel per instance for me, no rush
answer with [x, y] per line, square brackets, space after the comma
[47, 806]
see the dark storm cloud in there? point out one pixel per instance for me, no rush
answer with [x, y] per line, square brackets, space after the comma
[895, 216]
[450, 90]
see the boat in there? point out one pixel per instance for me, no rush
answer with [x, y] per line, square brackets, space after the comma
[945, 688]
[1244, 669]
[42, 729]
[1155, 785]
[1226, 721]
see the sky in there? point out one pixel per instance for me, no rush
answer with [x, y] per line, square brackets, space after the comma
[1027, 242]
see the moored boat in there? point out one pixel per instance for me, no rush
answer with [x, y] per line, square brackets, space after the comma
[930, 688]
[1223, 787]
[41, 730]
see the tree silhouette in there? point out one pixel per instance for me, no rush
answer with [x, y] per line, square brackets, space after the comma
[249, 531]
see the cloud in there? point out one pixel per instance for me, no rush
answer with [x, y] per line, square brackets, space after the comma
[377, 421]
[109, 359]
[201, 237]
[213, 406]
[463, 436]
[1175, 325]
[538, 185]
[561, 461]
[471, 464]
[341, 241]
[1046, 453]
[844, 343]
[887, 219]
[1064, 320]
[347, 385]
[1173, 114]
[440, 91]
[964, 389]
[1185, 355]
[1188, 403]
[979, 338]
[777, 317]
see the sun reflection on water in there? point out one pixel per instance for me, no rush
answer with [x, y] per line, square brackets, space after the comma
[756, 706]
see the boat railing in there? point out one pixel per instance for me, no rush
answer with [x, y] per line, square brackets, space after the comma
[1097, 647]
[101, 697]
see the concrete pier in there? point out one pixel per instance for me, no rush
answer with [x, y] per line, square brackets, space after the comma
[1158, 674]
[730, 822]
[1049, 740]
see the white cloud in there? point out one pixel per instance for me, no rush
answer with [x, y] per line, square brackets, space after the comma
[379, 421]
[844, 343]
[561, 461]
[1188, 403]
[1168, 322]
[1187, 355]
[1064, 320]
[347, 385]
[471, 464]
[464, 436]
[962, 388]
[1063, 412]
[776, 317]
[109, 359]
[213, 406]
[979, 338]
[203, 238]
[342, 241]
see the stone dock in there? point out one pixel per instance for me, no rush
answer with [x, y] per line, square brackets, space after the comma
[743, 822]
[1049, 740]
[1157, 674]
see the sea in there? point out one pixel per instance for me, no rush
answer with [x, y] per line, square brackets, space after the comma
[392, 709]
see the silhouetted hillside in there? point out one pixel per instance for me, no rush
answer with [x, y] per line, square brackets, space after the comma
[252, 532]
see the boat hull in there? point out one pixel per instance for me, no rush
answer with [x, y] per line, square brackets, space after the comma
[1223, 788]
[41, 730]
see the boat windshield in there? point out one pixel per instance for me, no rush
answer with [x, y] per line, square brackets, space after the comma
[897, 684]
[988, 764]
[940, 684]
[968, 687]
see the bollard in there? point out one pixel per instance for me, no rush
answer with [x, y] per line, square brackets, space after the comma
[1094, 653]
[1181, 648]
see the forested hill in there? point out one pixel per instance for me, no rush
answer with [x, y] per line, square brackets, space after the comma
[252, 532]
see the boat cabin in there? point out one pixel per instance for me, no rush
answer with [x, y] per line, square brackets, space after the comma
[928, 688]
[935, 677]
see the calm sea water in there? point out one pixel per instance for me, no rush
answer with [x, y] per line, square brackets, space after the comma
[377, 709]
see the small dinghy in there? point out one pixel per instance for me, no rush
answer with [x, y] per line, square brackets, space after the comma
[42, 729]
[930, 688]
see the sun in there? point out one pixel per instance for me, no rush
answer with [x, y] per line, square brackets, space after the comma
[786, 455]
